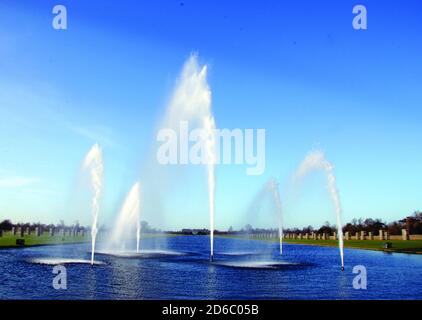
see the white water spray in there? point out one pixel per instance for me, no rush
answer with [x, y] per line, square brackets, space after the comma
[138, 236]
[128, 217]
[191, 101]
[273, 187]
[209, 125]
[316, 161]
[94, 163]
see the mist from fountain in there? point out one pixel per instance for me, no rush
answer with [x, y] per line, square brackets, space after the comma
[274, 189]
[127, 219]
[138, 236]
[93, 163]
[316, 161]
[268, 199]
[191, 102]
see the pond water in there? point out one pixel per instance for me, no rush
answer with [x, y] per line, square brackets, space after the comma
[179, 268]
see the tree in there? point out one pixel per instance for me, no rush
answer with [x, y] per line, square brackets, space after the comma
[6, 225]
[145, 226]
[308, 229]
[415, 223]
[326, 228]
[395, 228]
[248, 228]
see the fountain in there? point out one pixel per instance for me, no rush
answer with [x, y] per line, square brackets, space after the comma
[138, 236]
[191, 101]
[94, 163]
[316, 161]
[273, 187]
[268, 194]
[209, 124]
[127, 224]
[63, 261]
[128, 217]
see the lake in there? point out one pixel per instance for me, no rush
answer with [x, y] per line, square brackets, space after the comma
[242, 269]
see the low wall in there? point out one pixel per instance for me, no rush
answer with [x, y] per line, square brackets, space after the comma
[320, 237]
[39, 233]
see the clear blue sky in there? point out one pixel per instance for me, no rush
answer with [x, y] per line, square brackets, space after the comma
[295, 68]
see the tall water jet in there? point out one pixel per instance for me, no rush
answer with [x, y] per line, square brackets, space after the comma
[94, 163]
[316, 161]
[138, 236]
[209, 125]
[128, 217]
[191, 101]
[274, 189]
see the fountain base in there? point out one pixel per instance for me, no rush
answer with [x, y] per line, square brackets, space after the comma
[64, 261]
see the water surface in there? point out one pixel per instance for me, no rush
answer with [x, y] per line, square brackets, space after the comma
[243, 269]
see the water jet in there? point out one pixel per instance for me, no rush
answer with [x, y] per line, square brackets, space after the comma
[316, 161]
[94, 163]
[273, 186]
[191, 101]
[129, 216]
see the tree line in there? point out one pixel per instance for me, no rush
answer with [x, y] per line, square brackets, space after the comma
[413, 224]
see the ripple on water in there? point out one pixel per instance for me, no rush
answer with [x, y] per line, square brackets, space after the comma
[61, 261]
[141, 254]
[257, 264]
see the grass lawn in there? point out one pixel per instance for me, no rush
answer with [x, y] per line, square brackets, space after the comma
[8, 240]
[411, 246]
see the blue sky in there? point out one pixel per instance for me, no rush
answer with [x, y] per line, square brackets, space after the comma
[295, 68]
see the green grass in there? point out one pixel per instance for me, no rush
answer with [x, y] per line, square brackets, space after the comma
[8, 240]
[411, 246]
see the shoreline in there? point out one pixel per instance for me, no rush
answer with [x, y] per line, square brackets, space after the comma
[8, 242]
[405, 247]
[359, 248]
[41, 245]
[371, 245]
